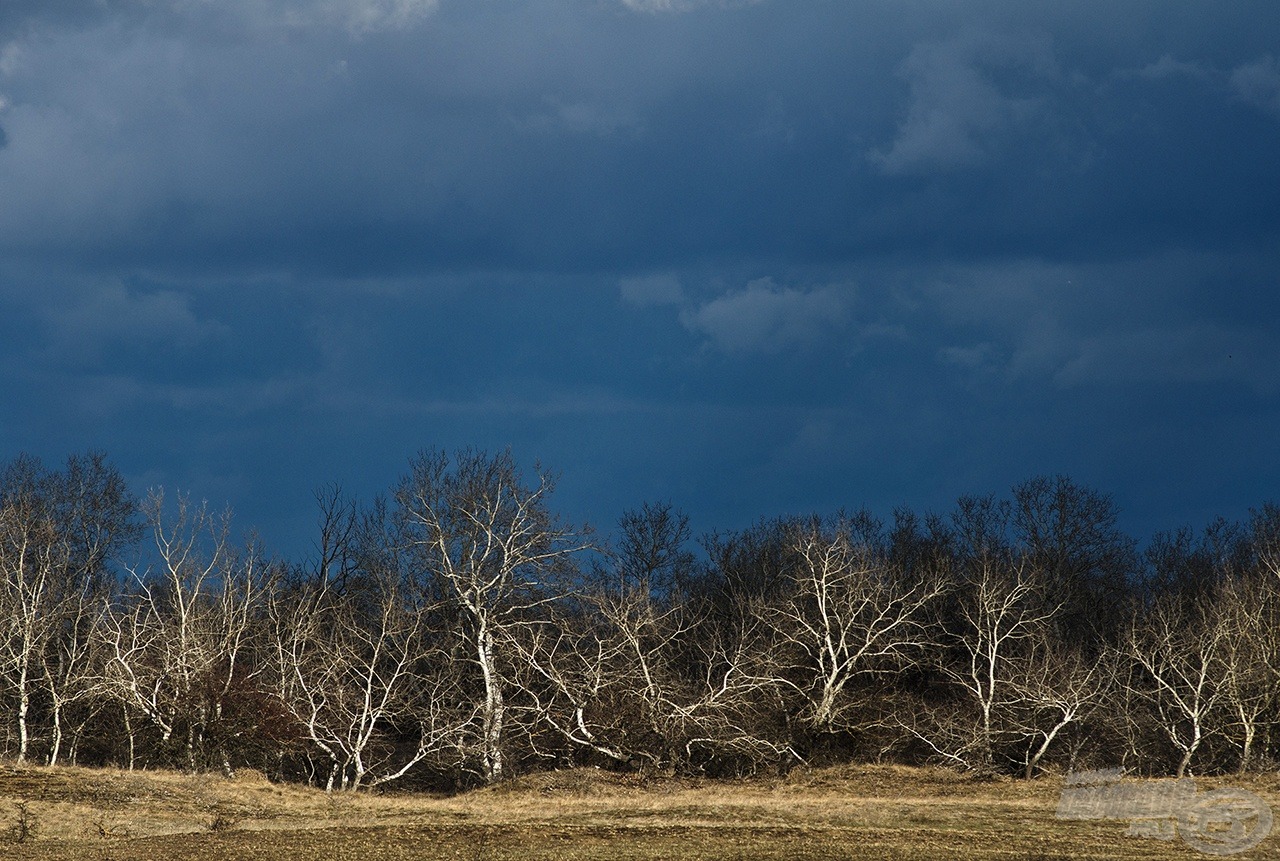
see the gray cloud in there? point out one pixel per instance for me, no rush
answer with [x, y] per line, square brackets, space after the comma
[1193, 352]
[652, 290]
[357, 17]
[960, 105]
[767, 318]
[99, 316]
[1259, 83]
[1167, 67]
[362, 16]
[410, 223]
[571, 136]
[593, 117]
[1113, 325]
[657, 6]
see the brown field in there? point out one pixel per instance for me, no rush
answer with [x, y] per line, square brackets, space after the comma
[851, 812]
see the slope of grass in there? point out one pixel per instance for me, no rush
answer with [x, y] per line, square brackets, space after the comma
[850, 812]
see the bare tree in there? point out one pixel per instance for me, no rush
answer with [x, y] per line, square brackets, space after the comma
[1001, 619]
[1247, 661]
[180, 642]
[849, 615]
[339, 541]
[652, 549]
[1176, 652]
[489, 544]
[1013, 688]
[71, 659]
[573, 676]
[652, 684]
[1059, 688]
[1069, 533]
[649, 667]
[359, 673]
[31, 560]
[60, 529]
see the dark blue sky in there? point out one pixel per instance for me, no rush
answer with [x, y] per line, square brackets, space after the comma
[751, 257]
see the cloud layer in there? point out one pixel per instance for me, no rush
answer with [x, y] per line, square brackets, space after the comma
[763, 317]
[750, 256]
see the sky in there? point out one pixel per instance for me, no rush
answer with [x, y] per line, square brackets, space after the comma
[751, 258]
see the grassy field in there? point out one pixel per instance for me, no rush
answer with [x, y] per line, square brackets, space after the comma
[852, 812]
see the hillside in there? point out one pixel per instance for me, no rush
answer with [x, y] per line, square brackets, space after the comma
[877, 812]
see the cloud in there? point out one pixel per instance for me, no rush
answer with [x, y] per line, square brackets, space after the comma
[1167, 67]
[11, 57]
[652, 290]
[583, 117]
[547, 134]
[93, 317]
[959, 108]
[365, 16]
[1127, 325]
[766, 318]
[1258, 83]
[655, 6]
[972, 357]
[1193, 352]
[358, 17]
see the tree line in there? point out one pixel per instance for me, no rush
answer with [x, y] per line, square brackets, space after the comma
[456, 631]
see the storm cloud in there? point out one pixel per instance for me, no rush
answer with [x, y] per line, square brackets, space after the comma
[752, 257]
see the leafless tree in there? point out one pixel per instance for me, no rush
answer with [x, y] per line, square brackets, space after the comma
[1069, 533]
[1176, 651]
[1059, 688]
[359, 673]
[31, 559]
[489, 545]
[72, 657]
[58, 531]
[849, 615]
[652, 684]
[1013, 688]
[1001, 624]
[573, 676]
[652, 551]
[180, 641]
[1247, 659]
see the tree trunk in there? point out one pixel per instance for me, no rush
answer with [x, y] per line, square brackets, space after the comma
[55, 747]
[1246, 748]
[24, 705]
[128, 729]
[494, 707]
[1189, 751]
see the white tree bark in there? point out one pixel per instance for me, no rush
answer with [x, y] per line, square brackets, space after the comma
[850, 615]
[1178, 652]
[489, 543]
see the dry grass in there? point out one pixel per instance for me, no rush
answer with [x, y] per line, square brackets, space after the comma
[850, 812]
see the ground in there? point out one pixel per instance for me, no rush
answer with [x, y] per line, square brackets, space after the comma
[848, 812]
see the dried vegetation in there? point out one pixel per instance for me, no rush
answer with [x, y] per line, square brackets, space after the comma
[853, 812]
